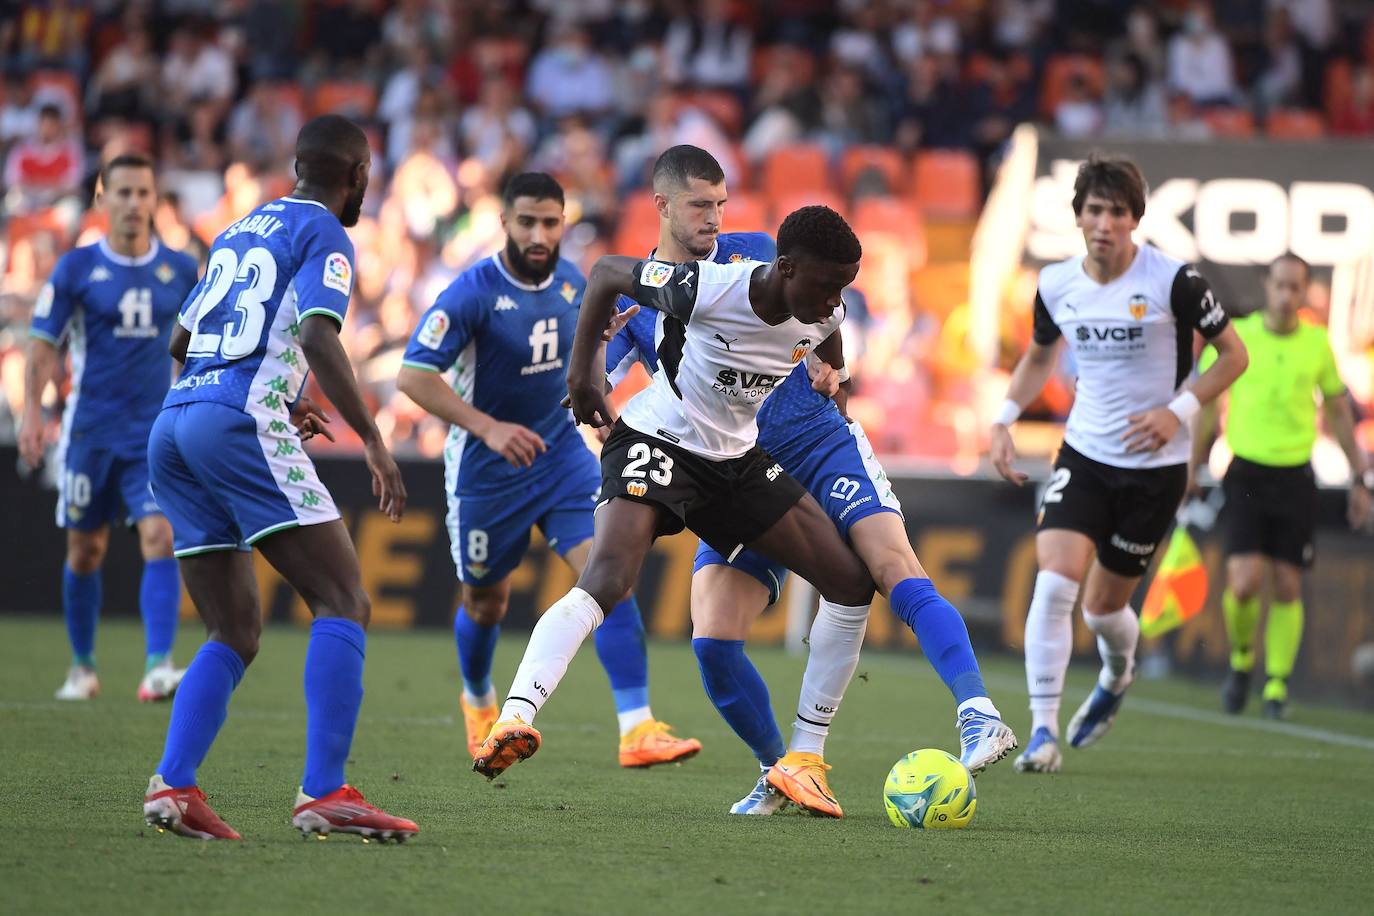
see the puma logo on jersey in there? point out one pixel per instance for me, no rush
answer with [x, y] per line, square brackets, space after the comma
[726, 342]
[686, 279]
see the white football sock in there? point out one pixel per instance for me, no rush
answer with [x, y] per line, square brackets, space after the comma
[480, 702]
[632, 718]
[555, 640]
[837, 636]
[1117, 635]
[1049, 643]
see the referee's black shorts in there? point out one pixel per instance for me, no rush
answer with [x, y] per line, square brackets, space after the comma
[1270, 510]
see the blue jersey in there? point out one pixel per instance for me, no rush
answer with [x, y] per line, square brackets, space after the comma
[508, 343]
[285, 261]
[116, 313]
[792, 419]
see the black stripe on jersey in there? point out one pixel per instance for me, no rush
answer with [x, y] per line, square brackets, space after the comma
[670, 288]
[1195, 308]
[670, 350]
[1045, 331]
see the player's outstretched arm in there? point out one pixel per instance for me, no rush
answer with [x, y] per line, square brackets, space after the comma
[1029, 376]
[611, 276]
[517, 444]
[325, 354]
[39, 365]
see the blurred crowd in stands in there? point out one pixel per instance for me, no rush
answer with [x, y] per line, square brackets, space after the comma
[893, 111]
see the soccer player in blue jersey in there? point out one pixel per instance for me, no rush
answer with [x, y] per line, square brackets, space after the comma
[228, 468]
[514, 459]
[807, 434]
[114, 302]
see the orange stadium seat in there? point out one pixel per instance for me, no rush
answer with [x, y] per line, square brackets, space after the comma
[637, 230]
[802, 167]
[346, 97]
[1230, 122]
[1295, 124]
[59, 84]
[1338, 87]
[745, 212]
[858, 161]
[1060, 69]
[786, 203]
[946, 183]
[722, 107]
[893, 237]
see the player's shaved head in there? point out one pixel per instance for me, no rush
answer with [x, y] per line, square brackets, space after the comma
[1113, 178]
[1293, 259]
[819, 233]
[333, 156]
[675, 169]
[327, 150]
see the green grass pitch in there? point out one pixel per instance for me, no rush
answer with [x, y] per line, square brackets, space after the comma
[1178, 810]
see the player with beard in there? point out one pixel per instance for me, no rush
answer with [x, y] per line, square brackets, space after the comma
[228, 468]
[514, 458]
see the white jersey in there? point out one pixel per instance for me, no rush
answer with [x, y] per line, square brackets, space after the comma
[1132, 341]
[717, 359]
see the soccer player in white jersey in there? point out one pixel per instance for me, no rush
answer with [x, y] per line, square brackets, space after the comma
[1128, 312]
[684, 453]
[229, 470]
[808, 434]
[514, 459]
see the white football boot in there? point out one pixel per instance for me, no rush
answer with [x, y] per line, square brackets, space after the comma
[81, 684]
[160, 682]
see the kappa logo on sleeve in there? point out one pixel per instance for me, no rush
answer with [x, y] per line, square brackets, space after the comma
[338, 273]
[655, 274]
[434, 331]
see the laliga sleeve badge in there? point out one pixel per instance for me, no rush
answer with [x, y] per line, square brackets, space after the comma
[655, 274]
[338, 273]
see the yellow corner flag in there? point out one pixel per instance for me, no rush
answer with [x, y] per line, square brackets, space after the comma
[1180, 587]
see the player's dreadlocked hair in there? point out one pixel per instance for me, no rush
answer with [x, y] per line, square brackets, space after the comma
[821, 233]
[539, 185]
[680, 164]
[1115, 178]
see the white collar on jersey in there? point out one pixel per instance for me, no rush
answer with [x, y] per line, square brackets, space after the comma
[302, 200]
[710, 255]
[125, 260]
[520, 284]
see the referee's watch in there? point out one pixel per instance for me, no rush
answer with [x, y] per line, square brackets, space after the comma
[1366, 480]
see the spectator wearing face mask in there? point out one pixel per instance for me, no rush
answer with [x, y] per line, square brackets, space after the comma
[1199, 60]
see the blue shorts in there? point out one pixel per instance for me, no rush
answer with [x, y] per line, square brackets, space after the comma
[488, 534]
[100, 484]
[226, 478]
[844, 476]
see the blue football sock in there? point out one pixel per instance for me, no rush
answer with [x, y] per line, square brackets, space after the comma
[333, 696]
[159, 597]
[740, 695]
[81, 608]
[198, 711]
[620, 646]
[476, 647]
[942, 634]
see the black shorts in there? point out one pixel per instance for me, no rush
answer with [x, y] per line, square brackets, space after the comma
[1126, 511]
[1270, 510]
[725, 503]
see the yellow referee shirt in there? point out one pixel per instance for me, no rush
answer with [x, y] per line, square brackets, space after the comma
[1272, 414]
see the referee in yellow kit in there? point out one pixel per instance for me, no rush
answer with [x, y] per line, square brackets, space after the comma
[1271, 493]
